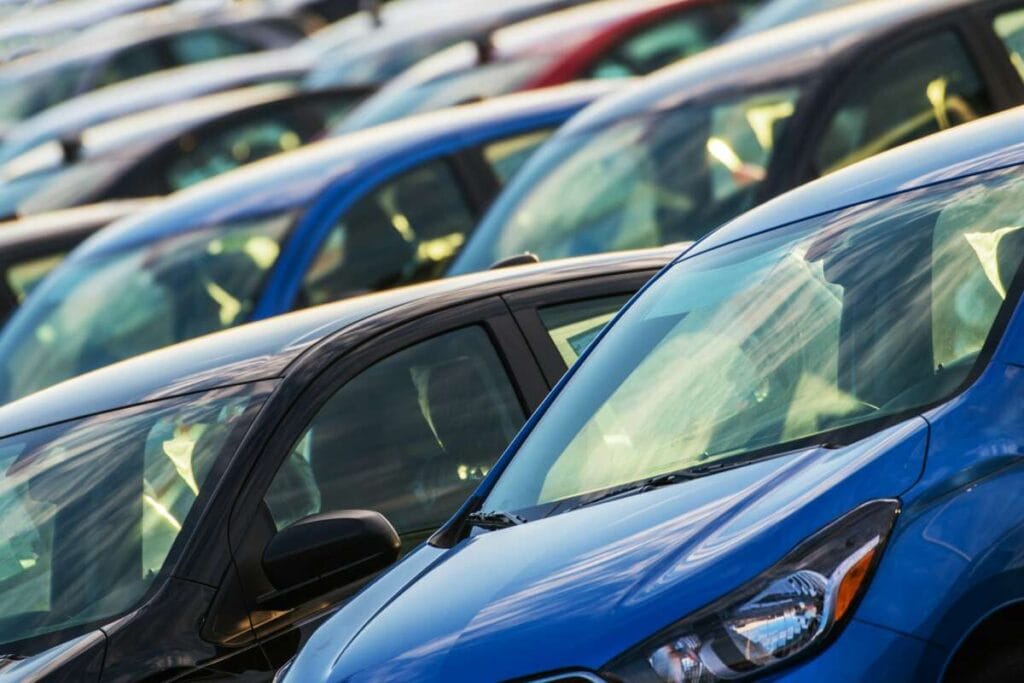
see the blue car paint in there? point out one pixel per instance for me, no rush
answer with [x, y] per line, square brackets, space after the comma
[322, 181]
[321, 216]
[574, 591]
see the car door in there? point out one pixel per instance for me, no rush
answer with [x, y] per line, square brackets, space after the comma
[407, 425]
[906, 86]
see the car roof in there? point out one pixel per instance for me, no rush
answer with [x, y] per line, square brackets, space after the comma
[265, 350]
[289, 182]
[132, 29]
[146, 92]
[795, 51]
[67, 16]
[989, 143]
[558, 33]
[66, 222]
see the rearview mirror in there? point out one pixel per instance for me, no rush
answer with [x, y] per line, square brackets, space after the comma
[327, 551]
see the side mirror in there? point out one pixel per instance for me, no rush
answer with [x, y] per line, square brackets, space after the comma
[324, 552]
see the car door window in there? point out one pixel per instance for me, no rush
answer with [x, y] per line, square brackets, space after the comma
[660, 44]
[404, 231]
[1009, 26]
[139, 60]
[922, 88]
[209, 152]
[572, 326]
[204, 45]
[508, 155]
[410, 437]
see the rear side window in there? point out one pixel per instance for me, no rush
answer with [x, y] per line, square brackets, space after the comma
[1009, 26]
[410, 437]
[139, 60]
[405, 231]
[922, 88]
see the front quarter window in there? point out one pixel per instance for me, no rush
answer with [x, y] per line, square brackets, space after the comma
[91, 508]
[823, 331]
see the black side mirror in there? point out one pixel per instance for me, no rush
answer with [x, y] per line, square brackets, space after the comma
[327, 551]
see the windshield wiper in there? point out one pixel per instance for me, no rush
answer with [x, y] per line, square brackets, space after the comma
[645, 485]
[494, 519]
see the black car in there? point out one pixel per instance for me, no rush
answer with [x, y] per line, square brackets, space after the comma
[173, 147]
[31, 247]
[195, 512]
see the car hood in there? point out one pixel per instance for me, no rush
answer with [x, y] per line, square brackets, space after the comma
[577, 589]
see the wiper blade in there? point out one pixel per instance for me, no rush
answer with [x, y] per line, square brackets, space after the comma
[495, 519]
[644, 485]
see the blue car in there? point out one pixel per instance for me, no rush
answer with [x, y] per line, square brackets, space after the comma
[338, 218]
[796, 455]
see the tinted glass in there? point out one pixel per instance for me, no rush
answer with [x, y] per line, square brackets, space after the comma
[636, 182]
[22, 277]
[29, 94]
[835, 321]
[133, 62]
[410, 437]
[402, 232]
[200, 46]
[215, 150]
[90, 509]
[660, 44]
[574, 325]
[922, 88]
[507, 156]
[1010, 28]
[96, 311]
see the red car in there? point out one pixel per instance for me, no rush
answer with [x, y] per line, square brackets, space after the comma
[607, 39]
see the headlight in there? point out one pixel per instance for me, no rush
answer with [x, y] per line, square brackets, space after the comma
[787, 611]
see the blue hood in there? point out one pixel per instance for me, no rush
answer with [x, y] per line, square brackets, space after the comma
[577, 589]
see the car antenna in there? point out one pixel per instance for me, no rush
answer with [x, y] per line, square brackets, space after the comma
[484, 48]
[524, 259]
[372, 7]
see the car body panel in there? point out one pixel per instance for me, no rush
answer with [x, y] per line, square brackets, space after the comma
[546, 582]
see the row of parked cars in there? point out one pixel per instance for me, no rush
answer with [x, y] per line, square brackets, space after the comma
[669, 341]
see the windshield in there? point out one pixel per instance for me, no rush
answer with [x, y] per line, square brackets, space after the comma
[30, 93]
[95, 311]
[791, 337]
[460, 87]
[638, 182]
[91, 508]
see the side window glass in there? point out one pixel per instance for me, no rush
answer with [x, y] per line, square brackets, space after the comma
[25, 275]
[922, 88]
[201, 46]
[659, 45]
[574, 325]
[507, 156]
[140, 60]
[1010, 29]
[410, 437]
[405, 231]
[211, 151]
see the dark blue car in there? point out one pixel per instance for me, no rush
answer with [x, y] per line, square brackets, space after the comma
[339, 218]
[795, 456]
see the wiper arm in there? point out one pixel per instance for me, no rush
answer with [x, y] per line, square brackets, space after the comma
[644, 485]
[496, 519]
